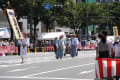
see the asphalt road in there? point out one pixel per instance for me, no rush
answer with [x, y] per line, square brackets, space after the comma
[44, 66]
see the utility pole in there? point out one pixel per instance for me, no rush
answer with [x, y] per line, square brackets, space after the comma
[108, 12]
[87, 21]
[31, 24]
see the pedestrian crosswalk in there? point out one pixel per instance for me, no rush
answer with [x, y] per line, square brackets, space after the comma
[39, 58]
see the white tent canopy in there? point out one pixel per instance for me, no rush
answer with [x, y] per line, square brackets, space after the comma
[4, 33]
[50, 35]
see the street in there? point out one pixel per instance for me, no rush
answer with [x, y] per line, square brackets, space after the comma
[44, 66]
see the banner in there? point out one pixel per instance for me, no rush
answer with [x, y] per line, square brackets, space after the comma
[115, 31]
[14, 24]
[8, 49]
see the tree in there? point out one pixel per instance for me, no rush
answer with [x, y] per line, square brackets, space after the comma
[115, 13]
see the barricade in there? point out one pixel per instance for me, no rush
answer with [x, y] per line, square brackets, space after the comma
[28, 50]
[35, 50]
[49, 48]
[43, 50]
[8, 49]
[87, 47]
[1, 51]
[106, 68]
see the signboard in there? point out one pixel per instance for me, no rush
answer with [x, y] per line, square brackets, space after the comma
[107, 27]
[47, 6]
[14, 24]
[115, 31]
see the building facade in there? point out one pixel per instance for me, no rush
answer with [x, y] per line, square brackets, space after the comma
[98, 1]
[89, 1]
[3, 20]
[106, 1]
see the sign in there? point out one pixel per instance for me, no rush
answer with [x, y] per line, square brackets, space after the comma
[47, 6]
[115, 31]
[107, 27]
[14, 24]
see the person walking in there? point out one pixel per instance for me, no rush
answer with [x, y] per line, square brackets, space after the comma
[60, 48]
[83, 43]
[24, 43]
[73, 46]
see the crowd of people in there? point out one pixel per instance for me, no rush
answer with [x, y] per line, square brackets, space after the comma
[6, 42]
[107, 48]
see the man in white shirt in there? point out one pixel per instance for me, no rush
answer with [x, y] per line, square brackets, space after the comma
[73, 46]
[110, 46]
[117, 48]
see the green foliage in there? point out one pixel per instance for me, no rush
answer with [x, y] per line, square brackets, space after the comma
[71, 15]
[115, 13]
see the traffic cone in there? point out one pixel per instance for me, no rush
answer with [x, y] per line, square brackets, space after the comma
[35, 50]
[28, 50]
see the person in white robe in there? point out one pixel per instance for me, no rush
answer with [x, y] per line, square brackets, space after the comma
[24, 44]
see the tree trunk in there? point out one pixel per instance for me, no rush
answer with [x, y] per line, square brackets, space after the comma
[35, 25]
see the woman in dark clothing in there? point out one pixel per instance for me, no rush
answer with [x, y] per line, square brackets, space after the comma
[102, 48]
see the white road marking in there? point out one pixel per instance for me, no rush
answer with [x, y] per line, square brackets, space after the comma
[59, 69]
[43, 78]
[22, 69]
[3, 66]
[85, 72]
[38, 60]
